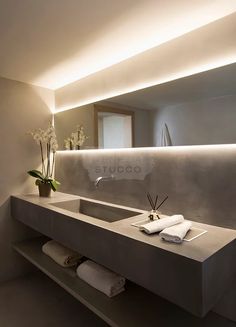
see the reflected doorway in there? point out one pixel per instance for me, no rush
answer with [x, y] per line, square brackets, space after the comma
[114, 128]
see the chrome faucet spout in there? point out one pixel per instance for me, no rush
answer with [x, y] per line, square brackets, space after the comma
[103, 178]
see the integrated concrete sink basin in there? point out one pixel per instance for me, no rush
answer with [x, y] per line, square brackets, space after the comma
[96, 210]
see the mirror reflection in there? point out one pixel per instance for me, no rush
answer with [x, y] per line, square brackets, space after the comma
[199, 109]
[115, 128]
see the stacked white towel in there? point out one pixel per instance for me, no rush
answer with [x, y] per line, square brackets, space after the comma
[176, 233]
[160, 224]
[101, 278]
[62, 255]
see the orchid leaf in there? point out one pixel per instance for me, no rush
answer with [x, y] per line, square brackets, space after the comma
[54, 184]
[36, 174]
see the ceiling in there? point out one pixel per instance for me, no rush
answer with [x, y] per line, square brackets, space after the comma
[52, 43]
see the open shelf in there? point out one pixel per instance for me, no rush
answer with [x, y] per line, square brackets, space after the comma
[134, 307]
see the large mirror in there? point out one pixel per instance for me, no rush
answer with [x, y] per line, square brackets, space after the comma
[199, 109]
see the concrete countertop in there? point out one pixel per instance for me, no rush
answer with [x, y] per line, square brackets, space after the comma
[198, 249]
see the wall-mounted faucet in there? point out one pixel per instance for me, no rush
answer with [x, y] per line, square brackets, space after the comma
[103, 178]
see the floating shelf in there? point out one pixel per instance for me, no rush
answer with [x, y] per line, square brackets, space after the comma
[134, 307]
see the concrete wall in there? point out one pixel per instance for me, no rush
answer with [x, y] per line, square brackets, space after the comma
[22, 108]
[199, 180]
[208, 121]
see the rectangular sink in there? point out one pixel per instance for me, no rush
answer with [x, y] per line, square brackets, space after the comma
[96, 210]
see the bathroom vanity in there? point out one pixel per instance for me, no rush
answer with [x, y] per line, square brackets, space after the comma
[193, 275]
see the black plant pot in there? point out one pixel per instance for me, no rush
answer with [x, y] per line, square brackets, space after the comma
[44, 189]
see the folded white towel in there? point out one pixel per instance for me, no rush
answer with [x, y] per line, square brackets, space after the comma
[60, 254]
[176, 233]
[101, 278]
[160, 224]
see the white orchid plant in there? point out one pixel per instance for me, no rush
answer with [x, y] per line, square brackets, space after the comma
[47, 141]
[77, 139]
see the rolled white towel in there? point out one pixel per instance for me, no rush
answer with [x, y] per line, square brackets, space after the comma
[101, 278]
[176, 233]
[160, 224]
[62, 255]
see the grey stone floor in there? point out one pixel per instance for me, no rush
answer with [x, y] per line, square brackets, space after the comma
[36, 301]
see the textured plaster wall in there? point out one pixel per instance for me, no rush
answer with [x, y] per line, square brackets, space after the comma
[199, 180]
[22, 108]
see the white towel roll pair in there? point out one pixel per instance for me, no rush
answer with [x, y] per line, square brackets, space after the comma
[172, 228]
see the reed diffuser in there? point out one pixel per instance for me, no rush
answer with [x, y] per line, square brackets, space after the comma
[154, 214]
